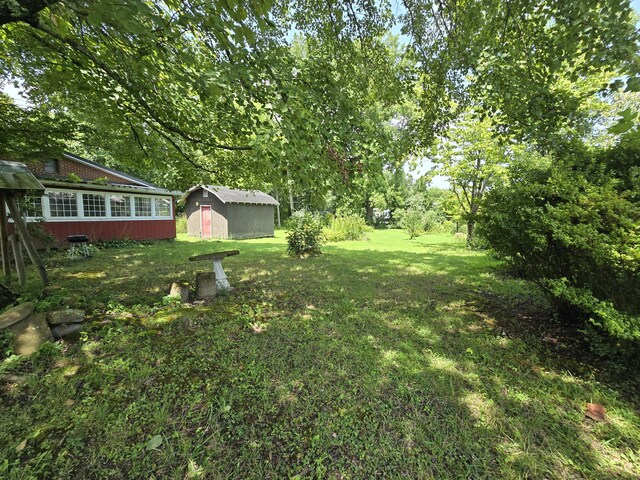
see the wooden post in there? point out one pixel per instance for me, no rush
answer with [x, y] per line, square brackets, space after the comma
[20, 224]
[4, 240]
[278, 209]
[18, 259]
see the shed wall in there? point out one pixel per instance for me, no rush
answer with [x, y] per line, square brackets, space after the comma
[250, 221]
[219, 222]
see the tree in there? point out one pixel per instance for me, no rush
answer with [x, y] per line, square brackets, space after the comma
[216, 90]
[32, 132]
[472, 160]
[517, 62]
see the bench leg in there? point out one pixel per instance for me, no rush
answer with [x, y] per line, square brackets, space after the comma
[222, 284]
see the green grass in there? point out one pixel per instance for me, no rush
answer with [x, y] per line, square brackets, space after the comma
[380, 358]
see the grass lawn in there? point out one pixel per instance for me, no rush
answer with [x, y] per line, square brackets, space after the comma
[388, 357]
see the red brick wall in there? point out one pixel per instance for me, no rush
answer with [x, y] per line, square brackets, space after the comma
[86, 172]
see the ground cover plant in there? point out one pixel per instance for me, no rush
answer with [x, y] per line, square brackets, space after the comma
[389, 358]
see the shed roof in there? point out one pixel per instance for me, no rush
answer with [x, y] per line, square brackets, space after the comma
[228, 195]
[16, 176]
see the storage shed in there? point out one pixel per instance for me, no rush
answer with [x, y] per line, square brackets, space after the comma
[220, 212]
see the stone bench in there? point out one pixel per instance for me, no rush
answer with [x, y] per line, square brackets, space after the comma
[222, 284]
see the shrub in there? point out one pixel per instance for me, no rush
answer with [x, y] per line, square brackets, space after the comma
[412, 221]
[181, 223]
[346, 227]
[572, 228]
[304, 234]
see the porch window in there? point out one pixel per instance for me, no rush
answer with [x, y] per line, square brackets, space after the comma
[32, 207]
[143, 206]
[94, 205]
[163, 207]
[62, 204]
[120, 206]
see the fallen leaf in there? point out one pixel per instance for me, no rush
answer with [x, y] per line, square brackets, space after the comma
[21, 446]
[595, 412]
[155, 442]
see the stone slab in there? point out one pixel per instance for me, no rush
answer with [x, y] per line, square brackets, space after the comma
[180, 289]
[214, 256]
[16, 314]
[62, 331]
[30, 333]
[205, 286]
[69, 315]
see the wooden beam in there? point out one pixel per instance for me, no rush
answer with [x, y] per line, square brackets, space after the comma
[214, 256]
[20, 224]
[4, 240]
[18, 259]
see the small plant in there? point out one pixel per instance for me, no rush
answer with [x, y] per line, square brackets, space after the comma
[40, 234]
[346, 227]
[412, 222]
[101, 181]
[304, 234]
[73, 178]
[6, 348]
[181, 223]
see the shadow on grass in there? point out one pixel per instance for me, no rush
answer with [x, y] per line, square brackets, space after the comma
[368, 361]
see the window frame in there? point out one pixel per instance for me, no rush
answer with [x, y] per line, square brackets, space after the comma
[80, 215]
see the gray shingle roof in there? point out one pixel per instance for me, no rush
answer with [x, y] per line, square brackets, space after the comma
[227, 195]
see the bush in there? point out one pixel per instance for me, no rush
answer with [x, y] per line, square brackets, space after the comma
[412, 221]
[572, 228]
[304, 234]
[346, 227]
[181, 223]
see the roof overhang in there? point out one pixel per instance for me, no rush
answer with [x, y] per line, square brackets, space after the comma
[109, 188]
[16, 177]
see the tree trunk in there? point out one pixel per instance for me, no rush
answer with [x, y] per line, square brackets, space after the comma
[290, 187]
[278, 209]
[471, 225]
[368, 211]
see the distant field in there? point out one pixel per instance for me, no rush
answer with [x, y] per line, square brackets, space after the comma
[387, 357]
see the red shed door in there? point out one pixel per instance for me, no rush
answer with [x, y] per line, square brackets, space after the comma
[205, 219]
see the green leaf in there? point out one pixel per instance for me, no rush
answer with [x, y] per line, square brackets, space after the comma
[633, 84]
[154, 442]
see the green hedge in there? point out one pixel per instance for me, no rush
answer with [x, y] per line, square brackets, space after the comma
[573, 227]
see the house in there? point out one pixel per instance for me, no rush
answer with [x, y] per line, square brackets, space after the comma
[83, 197]
[220, 212]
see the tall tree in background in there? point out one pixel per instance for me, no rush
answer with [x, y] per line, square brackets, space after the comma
[472, 159]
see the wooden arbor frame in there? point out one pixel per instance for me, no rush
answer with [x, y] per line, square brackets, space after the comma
[15, 181]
